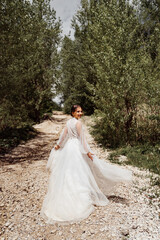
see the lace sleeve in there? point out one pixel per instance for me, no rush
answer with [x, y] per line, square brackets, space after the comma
[85, 148]
[63, 137]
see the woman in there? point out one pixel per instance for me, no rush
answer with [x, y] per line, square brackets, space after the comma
[79, 180]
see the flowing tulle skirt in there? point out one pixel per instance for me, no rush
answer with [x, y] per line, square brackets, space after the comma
[77, 184]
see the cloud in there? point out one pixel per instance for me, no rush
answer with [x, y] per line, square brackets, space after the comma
[65, 9]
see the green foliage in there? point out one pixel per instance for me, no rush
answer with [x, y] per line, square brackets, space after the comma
[77, 80]
[122, 67]
[112, 68]
[29, 61]
[145, 128]
[73, 84]
[143, 156]
[10, 138]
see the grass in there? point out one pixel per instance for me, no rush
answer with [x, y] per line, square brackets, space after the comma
[142, 156]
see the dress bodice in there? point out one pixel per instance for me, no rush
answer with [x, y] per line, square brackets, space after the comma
[72, 129]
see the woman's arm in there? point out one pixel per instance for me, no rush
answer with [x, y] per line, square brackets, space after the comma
[62, 138]
[86, 148]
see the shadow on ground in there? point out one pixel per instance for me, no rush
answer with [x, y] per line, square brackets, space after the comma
[39, 147]
[117, 199]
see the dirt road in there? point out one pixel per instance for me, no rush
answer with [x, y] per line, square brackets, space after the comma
[129, 214]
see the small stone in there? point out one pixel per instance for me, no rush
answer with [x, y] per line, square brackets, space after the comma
[15, 237]
[92, 232]
[103, 229]
[134, 227]
[7, 224]
[125, 232]
[72, 230]
[53, 231]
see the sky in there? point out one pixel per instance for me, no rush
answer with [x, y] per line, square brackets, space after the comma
[65, 9]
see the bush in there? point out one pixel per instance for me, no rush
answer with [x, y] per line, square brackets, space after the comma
[110, 129]
[10, 138]
[143, 156]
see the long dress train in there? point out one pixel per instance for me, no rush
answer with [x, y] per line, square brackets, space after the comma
[76, 183]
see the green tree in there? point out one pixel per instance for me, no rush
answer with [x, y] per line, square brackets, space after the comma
[123, 72]
[29, 60]
[78, 73]
[118, 71]
[74, 85]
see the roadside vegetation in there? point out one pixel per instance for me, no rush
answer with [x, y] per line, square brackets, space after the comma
[30, 36]
[111, 68]
[143, 156]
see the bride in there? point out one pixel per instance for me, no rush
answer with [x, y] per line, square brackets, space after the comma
[78, 180]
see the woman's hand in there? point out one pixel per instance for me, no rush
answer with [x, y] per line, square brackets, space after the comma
[56, 147]
[89, 154]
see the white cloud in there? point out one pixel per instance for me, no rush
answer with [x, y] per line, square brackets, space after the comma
[65, 9]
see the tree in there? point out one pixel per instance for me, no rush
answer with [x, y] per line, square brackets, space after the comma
[117, 70]
[29, 60]
[78, 73]
[74, 80]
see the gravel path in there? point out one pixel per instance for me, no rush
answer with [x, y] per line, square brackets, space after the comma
[132, 213]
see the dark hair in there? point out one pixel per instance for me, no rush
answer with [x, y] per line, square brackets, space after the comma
[73, 108]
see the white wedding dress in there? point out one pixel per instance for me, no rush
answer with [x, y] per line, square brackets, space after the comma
[76, 182]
